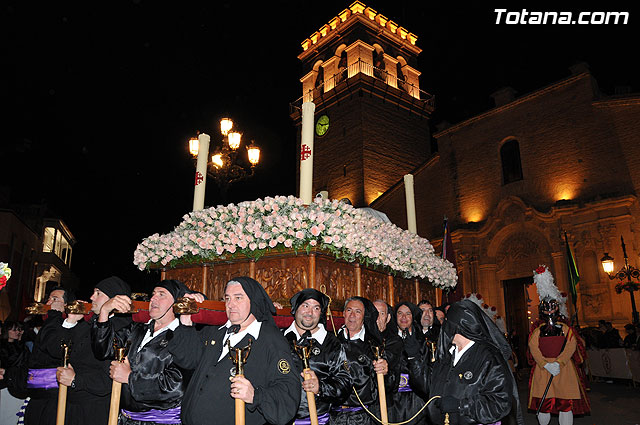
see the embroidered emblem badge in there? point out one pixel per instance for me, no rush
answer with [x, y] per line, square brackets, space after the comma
[283, 366]
[468, 375]
[315, 351]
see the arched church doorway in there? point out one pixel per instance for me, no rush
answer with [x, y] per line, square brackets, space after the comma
[517, 318]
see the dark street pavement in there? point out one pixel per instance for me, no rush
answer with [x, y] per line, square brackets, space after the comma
[616, 403]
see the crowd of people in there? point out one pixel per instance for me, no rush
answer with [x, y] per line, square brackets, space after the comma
[416, 364]
[606, 336]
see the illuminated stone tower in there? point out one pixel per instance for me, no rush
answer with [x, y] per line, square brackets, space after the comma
[371, 116]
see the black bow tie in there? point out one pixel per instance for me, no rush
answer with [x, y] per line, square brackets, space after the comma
[304, 339]
[233, 329]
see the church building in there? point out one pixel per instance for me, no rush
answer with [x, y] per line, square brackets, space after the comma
[511, 181]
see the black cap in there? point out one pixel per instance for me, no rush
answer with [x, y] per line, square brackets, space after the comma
[310, 293]
[113, 286]
[176, 288]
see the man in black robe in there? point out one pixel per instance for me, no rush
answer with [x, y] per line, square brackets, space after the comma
[406, 402]
[430, 326]
[153, 385]
[471, 376]
[328, 378]
[393, 347]
[104, 290]
[270, 386]
[86, 377]
[359, 334]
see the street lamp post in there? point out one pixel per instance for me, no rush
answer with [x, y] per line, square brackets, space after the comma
[224, 166]
[627, 273]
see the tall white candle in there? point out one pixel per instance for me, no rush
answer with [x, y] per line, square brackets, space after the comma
[201, 171]
[411, 203]
[306, 153]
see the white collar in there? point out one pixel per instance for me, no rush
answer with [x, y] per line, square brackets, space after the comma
[253, 329]
[68, 325]
[148, 336]
[172, 325]
[318, 335]
[458, 354]
[359, 335]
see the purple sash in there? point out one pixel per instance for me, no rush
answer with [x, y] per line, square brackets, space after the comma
[322, 420]
[42, 378]
[496, 423]
[404, 383]
[169, 416]
[346, 409]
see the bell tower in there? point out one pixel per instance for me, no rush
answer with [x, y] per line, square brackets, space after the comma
[371, 118]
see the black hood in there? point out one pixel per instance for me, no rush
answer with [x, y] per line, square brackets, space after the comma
[416, 314]
[261, 305]
[370, 321]
[467, 319]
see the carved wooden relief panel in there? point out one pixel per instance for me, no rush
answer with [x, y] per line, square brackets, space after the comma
[220, 273]
[375, 285]
[404, 290]
[190, 276]
[283, 277]
[427, 292]
[337, 279]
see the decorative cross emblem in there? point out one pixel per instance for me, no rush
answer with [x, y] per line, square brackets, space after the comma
[305, 152]
[199, 178]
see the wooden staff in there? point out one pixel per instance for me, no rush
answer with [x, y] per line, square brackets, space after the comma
[62, 389]
[79, 307]
[116, 389]
[239, 358]
[382, 394]
[304, 351]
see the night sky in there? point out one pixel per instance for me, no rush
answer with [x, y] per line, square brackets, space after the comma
[100, 100]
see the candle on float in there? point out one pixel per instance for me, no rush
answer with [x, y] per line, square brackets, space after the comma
[201, 171]
[411, 203]
[306, 153]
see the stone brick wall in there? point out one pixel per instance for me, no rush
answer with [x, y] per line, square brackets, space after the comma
[570, 149]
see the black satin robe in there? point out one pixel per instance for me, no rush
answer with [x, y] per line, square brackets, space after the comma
[269, 368]
[88, 401]
[13, 356]
[155, 382]
[329, 366]
[360, 357]
[481, 380]
[408, 403]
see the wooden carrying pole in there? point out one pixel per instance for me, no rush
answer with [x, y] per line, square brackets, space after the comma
[311, 401]
[382, 394]
[116, 389]
[239, 358]
[384, 417]
[239, 410]
[62, 389]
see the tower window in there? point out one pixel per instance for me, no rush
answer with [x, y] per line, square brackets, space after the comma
[379, 65]
[320, 77]
[342, 67]
[402, 85]
[511, 165]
